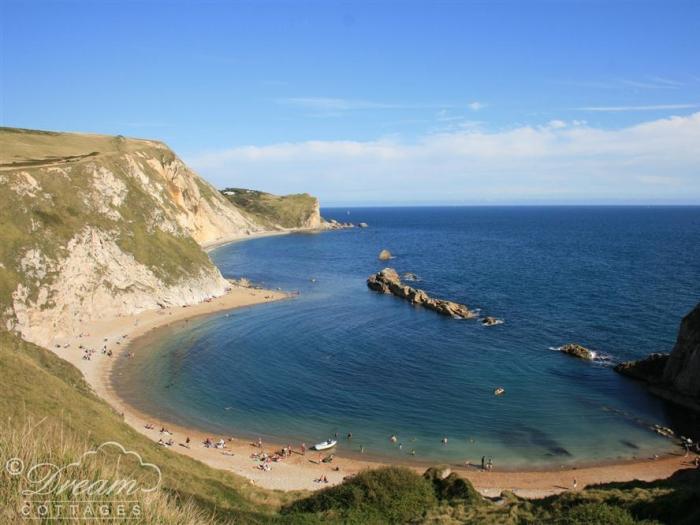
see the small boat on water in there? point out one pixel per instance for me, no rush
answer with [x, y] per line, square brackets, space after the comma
[499, 391]
[325, 445]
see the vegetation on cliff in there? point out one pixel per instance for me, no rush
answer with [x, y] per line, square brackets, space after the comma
[102, 225]
[276, 211]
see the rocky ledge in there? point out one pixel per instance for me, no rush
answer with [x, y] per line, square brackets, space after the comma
[674, 376]
[579, 351]
[332, 224]
[388, 281]
[650, 369]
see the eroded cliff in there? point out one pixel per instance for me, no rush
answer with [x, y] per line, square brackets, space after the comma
[93, 226]
[675, 377]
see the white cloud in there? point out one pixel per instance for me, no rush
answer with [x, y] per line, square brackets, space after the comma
[560, 161]
[476, 106]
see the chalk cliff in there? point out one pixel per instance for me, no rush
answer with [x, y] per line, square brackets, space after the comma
[94, 226]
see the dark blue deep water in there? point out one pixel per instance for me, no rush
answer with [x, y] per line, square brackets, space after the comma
[342, 358]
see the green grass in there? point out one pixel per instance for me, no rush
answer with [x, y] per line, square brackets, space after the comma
[287, 211]
[389, 495]
[38, 386]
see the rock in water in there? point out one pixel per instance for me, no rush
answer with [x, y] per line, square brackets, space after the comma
[576, 350]
[491, 321]
[675, 377]
[363, 225]
[388, 281]
[651, 368]
[385, 255]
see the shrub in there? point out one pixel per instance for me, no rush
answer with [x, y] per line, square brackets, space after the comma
[386, 495]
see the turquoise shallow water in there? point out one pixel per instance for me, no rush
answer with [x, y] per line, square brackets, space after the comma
[342, 358]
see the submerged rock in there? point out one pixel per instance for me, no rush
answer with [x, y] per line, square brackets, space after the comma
[410, 276]
[385, 255]
[577, 350]
[491, 321]
[388, 281]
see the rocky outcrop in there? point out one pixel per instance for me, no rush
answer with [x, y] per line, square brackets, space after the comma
[576, 350]
[384, 255]
[332, 224]
[674, 376]
[388, 281]
[682, 371]
[650, 369]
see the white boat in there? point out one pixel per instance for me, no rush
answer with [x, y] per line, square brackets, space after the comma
[325, 445]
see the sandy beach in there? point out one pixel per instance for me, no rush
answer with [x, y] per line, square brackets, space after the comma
[300, 471]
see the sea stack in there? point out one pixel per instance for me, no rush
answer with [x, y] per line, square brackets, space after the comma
[388, 281]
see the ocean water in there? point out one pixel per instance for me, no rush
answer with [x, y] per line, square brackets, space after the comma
[340, 358]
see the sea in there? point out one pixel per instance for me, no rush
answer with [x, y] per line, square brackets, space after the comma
[339, 358]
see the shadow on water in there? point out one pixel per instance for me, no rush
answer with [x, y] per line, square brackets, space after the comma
[524, 436]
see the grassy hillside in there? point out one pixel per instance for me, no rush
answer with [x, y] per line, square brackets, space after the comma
[44, 394]
[287, 211]
[115, 218]
[38, 386]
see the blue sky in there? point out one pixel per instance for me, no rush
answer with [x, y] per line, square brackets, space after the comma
[379, 102]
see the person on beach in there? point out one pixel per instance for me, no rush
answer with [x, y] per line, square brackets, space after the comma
[575, 484]
[303, 449]
[349, 435]
[259, 442]
[187, 442]
[444, 441]
[483, 462]
[489, 464]
[393, 439]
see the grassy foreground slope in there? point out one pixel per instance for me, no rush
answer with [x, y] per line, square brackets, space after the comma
[37, 386]
[44, 394]
[287, 211]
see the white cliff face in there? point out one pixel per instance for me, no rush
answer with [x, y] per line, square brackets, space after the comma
[98, 280]
[201, 210]
[314, 221]
[96, 227]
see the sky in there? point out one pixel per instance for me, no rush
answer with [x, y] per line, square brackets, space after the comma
[382, 102]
